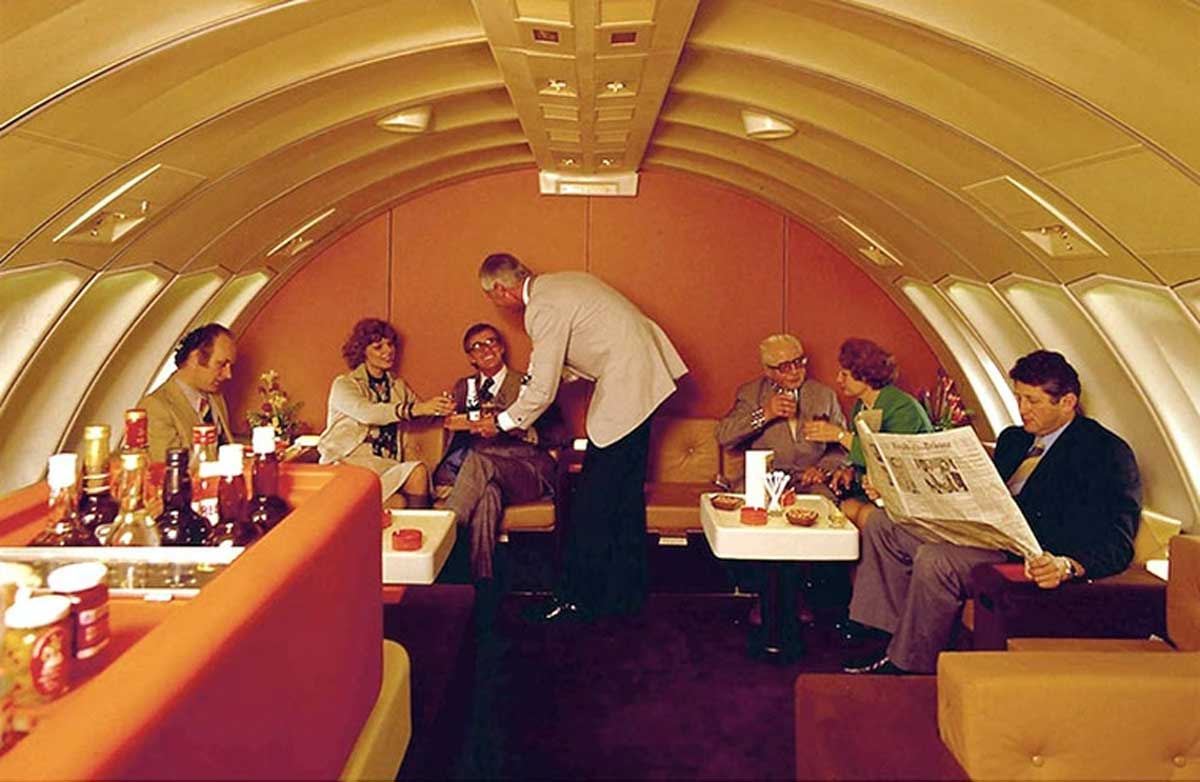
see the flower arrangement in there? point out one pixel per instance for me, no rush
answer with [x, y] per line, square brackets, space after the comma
[944, 405]
[276, 409]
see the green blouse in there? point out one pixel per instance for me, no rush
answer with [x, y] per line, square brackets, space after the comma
[902, 414]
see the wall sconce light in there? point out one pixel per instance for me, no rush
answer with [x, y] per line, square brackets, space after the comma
[410, 120]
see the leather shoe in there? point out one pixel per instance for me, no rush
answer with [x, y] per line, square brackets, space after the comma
[880, 667]
[554, 612]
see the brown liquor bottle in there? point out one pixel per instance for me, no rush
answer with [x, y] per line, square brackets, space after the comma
[178, 524]
[65, 527]
[266, 508]
[232, 529]
[204, 472]
[134, 525]
[97, 507]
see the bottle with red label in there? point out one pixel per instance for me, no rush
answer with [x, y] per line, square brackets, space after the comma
[65, 527]
[266, 508]
[97, 506]
[205, 472]
[232, 528]
[178, 524]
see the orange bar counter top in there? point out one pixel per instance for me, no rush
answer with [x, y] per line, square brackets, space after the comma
[269, 673]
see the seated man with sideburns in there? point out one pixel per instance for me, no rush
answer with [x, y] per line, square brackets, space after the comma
[486, 473]
[1077, 485]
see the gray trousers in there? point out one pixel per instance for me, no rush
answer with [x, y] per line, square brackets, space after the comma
[913, 589]
[486, 482]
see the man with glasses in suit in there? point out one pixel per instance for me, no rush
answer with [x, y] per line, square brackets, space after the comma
[481, 475]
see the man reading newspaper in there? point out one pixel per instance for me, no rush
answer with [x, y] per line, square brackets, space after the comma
[1075, 483]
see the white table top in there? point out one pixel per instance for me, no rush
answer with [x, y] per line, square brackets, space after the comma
[778, 540]
[423, 565]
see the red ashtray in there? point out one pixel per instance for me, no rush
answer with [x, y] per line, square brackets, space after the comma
[407, 539]
[755, 517]
[789, 498]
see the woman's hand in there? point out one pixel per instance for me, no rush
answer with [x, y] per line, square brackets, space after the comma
[442, 404]
[842, 478]
[867, 487]
[822, 431]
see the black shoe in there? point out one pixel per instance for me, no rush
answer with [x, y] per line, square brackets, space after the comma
[554, 611]
[882, 666]
[853, 632]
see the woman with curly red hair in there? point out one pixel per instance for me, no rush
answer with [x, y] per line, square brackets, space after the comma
[366, 406]
[867, 373]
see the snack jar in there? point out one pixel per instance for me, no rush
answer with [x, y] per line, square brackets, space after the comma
[37, 645]
[83, 583]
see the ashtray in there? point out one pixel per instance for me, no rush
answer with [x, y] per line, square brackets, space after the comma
[754, 517]
[727, 502]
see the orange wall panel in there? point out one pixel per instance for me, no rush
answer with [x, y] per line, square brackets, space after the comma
[717, 269]
[831, 299]
[704, 262]
[300, 331]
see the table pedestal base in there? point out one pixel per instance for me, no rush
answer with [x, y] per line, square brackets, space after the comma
[780, 638]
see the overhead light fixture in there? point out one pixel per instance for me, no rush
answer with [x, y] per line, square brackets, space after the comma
[615, 86]
[764, 127]
[411, 120]
[874, 251]
[1054, 239]
[108, 199]
[568, 162]
[556, 85]
[296, 234]
[554, 183]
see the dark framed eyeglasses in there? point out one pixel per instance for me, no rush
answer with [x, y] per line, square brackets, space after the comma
[480, 344]
[795, 365]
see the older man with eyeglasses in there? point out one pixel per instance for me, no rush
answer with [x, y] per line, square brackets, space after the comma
[769, 413]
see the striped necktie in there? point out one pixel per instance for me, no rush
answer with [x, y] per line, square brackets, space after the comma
[206, 414]
[1016, 481]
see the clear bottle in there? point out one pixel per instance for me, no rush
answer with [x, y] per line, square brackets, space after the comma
[178, 524]
[473, 406]
[134, 525]
[136, 439]
[97, 507]
[232, 528]
[205, 472]
[65, 527]
[266, 508]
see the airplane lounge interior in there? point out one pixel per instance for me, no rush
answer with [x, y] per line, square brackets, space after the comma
[789, 278]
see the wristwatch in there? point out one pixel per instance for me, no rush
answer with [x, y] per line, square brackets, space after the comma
[1071, 572]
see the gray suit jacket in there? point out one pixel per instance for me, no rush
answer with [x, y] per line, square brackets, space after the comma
[351, 414]
[170, 418]
[793, 454]
[582, 325]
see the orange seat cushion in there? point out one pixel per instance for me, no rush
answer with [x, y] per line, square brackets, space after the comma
[528, 516]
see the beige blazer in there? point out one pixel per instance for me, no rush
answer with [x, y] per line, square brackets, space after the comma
[170, 418]
[582, 325]
[351, 414]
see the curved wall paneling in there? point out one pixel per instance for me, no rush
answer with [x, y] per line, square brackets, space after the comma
[716, 268]
[983, 375]
[1110, 394]
[121, 382]
[1160, 353]
[42, 402]
[31, 302]
[1190, 295]
[991, 318]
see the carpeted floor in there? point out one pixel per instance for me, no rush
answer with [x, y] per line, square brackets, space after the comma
[669, 694]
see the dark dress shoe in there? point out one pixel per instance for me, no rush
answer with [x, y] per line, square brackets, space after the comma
[882, 666]
[554, 612]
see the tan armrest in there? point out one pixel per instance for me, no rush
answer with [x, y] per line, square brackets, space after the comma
[1090, 715]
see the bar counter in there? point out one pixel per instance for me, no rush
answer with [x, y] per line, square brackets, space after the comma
[270, 672]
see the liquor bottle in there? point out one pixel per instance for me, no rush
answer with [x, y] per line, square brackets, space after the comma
[178, 524]
[232, 528]
[474, 408]
[137, 432]
[65, 527]
[205, 473]
[267, 508]
[97, 507]
[134, 525]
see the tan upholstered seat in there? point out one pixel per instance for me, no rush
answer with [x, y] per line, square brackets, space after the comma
[683, 462]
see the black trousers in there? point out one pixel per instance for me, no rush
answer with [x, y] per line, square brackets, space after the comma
[604, 557]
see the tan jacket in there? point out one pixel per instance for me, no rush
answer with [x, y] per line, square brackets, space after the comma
[351, 414]
[170, 418]
[579, 323]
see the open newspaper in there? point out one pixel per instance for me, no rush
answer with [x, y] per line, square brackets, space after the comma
[944, 486]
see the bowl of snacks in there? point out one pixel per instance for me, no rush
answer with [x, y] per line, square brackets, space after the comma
[727, 502]
[802, 517]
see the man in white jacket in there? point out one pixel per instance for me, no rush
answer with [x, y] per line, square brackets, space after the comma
[582, 327]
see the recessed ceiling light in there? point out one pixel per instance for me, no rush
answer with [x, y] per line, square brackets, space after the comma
[568, 162]
[295, 234]
[607, 162]
[764, 126]
[615, 86]
[414, 119]
[108, 199]
[556, 85]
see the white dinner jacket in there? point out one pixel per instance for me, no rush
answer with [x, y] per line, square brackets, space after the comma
[578, 323]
